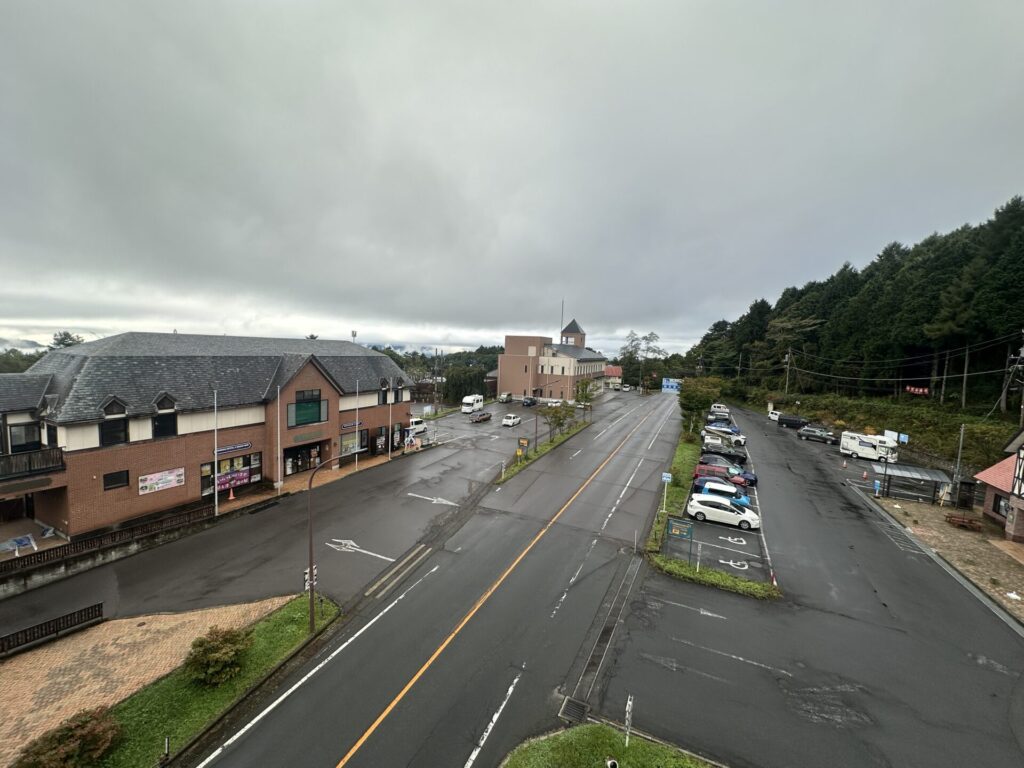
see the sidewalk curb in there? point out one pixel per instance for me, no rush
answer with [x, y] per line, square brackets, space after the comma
[1008, 618]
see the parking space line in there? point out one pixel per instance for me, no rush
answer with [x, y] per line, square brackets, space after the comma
[733, 656]
[730, 549]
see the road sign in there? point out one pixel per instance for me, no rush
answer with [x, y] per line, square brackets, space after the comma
[524, 442]
[519, 451]
[679, 528]
[666, 477]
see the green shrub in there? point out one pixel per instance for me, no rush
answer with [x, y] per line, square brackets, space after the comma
[217, 656]
[81, 741]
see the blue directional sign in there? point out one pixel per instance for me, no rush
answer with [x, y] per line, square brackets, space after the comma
[670, 385]
[666, 477]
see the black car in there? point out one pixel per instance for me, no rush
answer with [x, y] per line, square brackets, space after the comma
[817, 433]
[798, 422]
[722, 456]
[528, 401]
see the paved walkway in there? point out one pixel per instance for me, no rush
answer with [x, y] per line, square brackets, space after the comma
[102, 665]
[993, 564]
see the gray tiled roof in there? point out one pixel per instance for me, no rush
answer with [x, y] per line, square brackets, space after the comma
[580, 353]
[22, 391]
[572, 327]
[138, 368]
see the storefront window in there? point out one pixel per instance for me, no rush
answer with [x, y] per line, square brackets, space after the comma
[233, 473]
[352, 442]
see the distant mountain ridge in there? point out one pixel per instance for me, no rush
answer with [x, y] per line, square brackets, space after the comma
[22, 345]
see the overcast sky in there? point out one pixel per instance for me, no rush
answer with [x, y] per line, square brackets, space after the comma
[439, 173]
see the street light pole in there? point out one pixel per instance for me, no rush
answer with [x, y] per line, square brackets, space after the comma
[309, 527]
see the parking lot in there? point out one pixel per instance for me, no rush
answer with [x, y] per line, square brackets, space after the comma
[724, 547]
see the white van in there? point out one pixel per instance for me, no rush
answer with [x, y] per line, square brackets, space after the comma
[774, 415]
[417, 426]
[472, 403]
[871, 447]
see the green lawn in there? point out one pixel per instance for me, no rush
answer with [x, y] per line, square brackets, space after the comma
[174, 706]
[587, 746]
[682, 473]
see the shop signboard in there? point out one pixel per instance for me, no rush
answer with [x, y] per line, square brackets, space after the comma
[233, 448]
[679, 528]
[233, 479]
[160, 481]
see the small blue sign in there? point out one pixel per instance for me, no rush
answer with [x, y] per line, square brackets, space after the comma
[666, 477]
[670, 385]
[233, 448]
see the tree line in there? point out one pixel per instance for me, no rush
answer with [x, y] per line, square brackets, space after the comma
[941, 319]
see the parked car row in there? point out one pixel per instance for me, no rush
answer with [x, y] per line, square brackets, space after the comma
[719, 485]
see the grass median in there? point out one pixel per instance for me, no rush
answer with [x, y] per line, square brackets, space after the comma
[177, 708]
[587, 746]
[544, 448]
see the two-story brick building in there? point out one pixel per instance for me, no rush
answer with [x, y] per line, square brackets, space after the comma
[533, 365]
[108, 431]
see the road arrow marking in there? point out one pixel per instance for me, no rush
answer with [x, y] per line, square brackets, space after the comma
[434, 499]
[347, 545]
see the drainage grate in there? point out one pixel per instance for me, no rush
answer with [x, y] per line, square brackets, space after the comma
[573, 710]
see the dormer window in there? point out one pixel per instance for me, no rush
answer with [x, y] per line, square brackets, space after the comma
[114, 408]
[114, 428]
[165, 403]
[382, 394]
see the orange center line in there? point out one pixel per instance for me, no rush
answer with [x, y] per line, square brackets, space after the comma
[480, 603]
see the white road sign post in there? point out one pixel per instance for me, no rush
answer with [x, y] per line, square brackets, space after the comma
[629, 717]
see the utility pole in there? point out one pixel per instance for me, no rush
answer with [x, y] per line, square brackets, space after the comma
[963, 393]
[956, 472]
[789, 356]
[739, 366]
[945, 372]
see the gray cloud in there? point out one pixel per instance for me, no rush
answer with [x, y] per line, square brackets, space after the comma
[446, 172]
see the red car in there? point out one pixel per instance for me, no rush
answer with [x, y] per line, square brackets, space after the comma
[711, 470]
[479, 416]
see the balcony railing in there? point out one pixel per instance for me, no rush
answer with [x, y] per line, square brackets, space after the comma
[31, 463]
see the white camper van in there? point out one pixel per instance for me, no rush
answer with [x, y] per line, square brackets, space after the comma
[871, 447]
[472, 403]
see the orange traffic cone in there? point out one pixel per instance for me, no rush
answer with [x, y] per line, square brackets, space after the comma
[231, 491]
[865, 475]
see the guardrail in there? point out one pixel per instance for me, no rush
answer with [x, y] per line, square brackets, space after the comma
[50, 629]
[31, 463]
[111, 538]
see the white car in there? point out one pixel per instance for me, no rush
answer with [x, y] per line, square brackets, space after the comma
[511, 420]
[703, 506]
[719, 407]
[625, 387]
[713, 441]
[726, 435]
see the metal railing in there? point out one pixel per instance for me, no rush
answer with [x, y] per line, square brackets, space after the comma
[51, 628]
[31, 462]
[104, 540]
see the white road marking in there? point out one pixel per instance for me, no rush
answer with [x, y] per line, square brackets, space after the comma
[623, 492]
[217, 752]
[664, 421]
[494, 719]
[739, 565]
[434, 499]
[671, 664]
[733, 656]
[734, 540]
[347, 545]
[576, 454]
[701, 611]
[730, 549]
[573, 579]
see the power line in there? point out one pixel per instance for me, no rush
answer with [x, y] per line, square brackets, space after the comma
[895, 378]
[978, 346]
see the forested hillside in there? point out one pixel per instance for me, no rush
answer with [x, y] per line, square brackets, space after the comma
[916, 317]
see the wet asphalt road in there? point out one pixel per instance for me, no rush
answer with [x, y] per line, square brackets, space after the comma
[876, 656]
[495, 626]
[384, 510]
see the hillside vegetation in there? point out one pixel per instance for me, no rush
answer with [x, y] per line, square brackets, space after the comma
[914, 317]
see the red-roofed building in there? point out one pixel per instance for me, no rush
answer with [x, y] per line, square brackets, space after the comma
[1001, 505]
[998, 480]
[613, 376]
